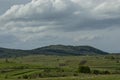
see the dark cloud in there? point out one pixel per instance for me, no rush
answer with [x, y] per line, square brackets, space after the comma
[73, 20]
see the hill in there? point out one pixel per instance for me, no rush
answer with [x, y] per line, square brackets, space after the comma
[5, 52]
[53, 50]
[68, 50]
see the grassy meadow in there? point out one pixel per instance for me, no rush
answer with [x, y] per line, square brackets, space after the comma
[41, 67]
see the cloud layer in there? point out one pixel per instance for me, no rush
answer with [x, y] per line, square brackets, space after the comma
[59, 21]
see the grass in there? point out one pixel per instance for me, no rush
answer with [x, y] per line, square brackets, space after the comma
[43, 67]
[93, 77]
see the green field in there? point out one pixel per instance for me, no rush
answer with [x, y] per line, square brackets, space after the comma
[43, 67]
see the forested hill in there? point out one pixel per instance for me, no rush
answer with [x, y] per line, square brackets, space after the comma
[53, 50]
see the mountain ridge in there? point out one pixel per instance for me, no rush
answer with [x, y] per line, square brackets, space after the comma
[53, 50]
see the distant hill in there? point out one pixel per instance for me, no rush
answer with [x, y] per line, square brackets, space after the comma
[68, 50]
[5, 52]
[53, 50]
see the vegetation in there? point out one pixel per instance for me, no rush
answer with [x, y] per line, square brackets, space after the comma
[59, 62]
[84, 69]
[51, 67]
[52, 50]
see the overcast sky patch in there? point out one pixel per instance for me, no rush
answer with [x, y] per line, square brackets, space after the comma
[30, 24]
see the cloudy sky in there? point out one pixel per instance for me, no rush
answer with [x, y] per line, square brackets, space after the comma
[28, 24]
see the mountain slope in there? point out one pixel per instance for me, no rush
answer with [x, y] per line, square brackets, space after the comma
[53, 50]
[5, 52]
[68, 50]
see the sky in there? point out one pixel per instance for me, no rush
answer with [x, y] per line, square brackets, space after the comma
[29, 24]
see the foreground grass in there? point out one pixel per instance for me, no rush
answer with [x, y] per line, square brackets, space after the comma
[101, 77]
[43, 67]
[90, 77]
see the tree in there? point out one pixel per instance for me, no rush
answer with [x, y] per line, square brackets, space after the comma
[84, 69]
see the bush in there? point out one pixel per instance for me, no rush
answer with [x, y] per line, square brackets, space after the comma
[105, 72]
[75, 74]
[117, 61]
[6, 76]
[47, 70]
[84, 69]
[96, 72]
[110, 57]
[100, 72]
[25, 76]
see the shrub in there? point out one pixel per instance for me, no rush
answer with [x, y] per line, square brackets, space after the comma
[75, 74]
[96, 72]
[47, 70]
[117, 61]
[110, 57]
[105, 72]
[100, 72]
[6, 76]
[25, 76]
[84, 69]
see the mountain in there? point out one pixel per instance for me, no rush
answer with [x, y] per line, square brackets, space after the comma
[53, 50]
[68, 50]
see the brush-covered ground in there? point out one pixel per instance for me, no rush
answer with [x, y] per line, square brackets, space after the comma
[43, 67]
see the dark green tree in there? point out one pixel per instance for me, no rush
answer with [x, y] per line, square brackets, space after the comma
[84, 69]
